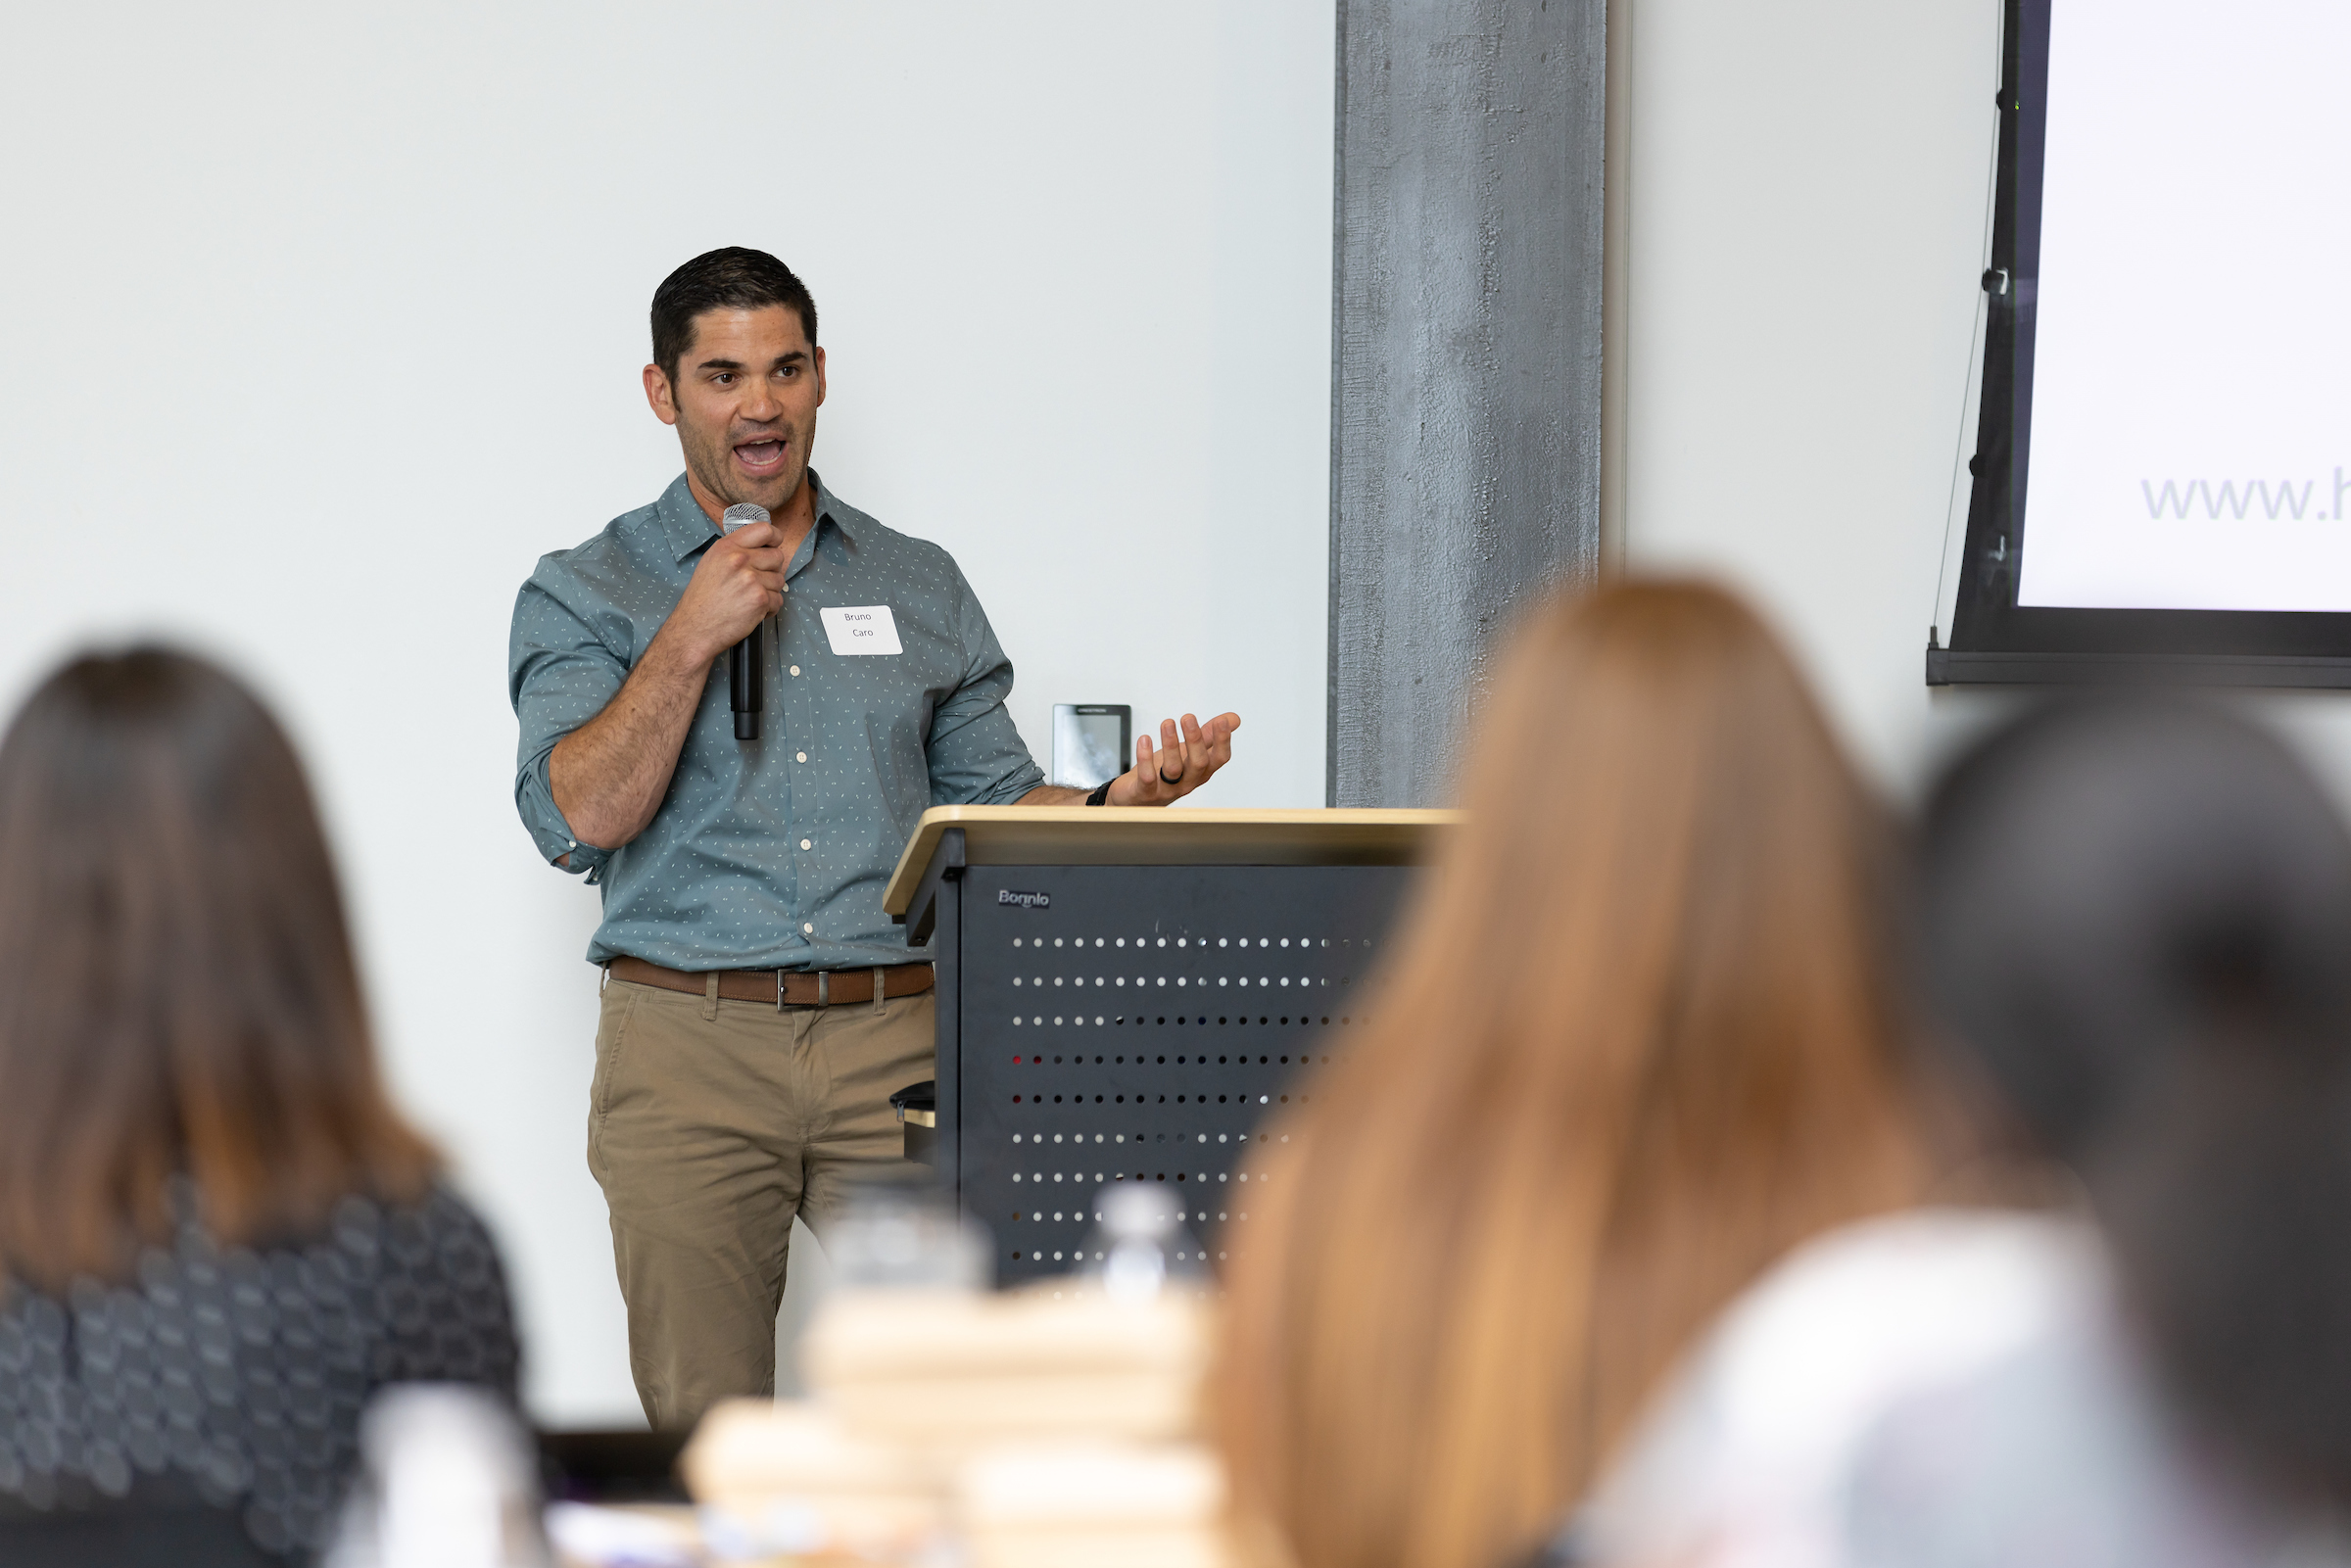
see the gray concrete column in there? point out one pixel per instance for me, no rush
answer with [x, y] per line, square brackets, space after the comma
[1466, 375]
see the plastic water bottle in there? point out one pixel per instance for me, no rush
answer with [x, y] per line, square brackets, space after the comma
[905, 1235]
[1136, 1238]
[446, 1482]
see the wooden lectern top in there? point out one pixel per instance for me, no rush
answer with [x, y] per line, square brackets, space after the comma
[1153, 835]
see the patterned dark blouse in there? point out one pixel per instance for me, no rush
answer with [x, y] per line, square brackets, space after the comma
[229, 1382]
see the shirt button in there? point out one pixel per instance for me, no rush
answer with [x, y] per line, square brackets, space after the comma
[809, 926]
[805, 844]
[796, 669]
[803, 756]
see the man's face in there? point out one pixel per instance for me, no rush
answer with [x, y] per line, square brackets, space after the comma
[745, 402]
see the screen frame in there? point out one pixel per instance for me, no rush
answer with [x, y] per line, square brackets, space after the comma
[1995, 641]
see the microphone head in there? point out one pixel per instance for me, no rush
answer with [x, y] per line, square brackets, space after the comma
[739, 515]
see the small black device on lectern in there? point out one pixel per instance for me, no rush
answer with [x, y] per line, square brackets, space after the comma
[1092, 742]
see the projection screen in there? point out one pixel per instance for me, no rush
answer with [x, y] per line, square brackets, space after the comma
[2163, 464]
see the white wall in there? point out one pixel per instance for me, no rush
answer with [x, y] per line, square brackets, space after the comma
[1807, 225]
[325, 321]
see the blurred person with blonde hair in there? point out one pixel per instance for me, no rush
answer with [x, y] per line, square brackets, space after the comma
[1645, 1034]
[218, 1236]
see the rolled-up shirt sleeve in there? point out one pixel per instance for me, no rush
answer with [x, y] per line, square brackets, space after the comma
[975, 752]
[559, 675]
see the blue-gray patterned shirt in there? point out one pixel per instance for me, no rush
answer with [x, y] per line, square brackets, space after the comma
[769, 853]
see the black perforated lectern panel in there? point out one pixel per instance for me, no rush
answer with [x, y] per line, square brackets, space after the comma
[1124, 1024]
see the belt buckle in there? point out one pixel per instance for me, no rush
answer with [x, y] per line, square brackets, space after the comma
[824, 987]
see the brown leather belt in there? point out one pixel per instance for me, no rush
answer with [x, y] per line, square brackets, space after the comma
[783, 987]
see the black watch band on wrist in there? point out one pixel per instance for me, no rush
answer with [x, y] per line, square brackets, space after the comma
[1101, 794]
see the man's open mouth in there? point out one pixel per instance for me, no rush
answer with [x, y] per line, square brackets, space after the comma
[760, 455]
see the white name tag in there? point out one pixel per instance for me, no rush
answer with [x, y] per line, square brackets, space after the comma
[868, 628]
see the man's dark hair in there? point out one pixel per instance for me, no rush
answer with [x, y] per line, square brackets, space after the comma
[730, 279]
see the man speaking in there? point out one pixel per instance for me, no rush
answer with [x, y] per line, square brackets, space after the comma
[759, 1007]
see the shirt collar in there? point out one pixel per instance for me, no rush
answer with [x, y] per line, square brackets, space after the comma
[830, 508]
[690, 528]
[682, 519]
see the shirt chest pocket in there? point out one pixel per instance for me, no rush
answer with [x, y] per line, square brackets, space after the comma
[881, 660]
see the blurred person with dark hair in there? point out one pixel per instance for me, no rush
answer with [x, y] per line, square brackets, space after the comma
[218, 1236]
[759, 1007]
[2135, 915]
[1645, 1036]
[2133, 918]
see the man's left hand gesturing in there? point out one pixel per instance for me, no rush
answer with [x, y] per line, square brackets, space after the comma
[1178, 765]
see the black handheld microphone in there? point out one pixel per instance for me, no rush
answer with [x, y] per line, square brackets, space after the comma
[746, 661]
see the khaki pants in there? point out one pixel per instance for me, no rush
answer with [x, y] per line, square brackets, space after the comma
[711, 1123]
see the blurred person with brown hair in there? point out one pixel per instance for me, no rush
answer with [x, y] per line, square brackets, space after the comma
[1645, 1034]
[218, 1236]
